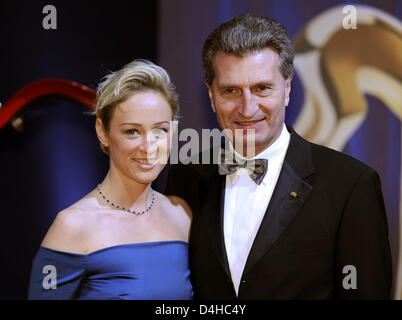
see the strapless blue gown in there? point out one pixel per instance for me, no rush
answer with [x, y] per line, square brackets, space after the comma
[137, 271]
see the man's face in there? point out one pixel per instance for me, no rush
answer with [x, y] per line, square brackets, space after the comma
[250, 93]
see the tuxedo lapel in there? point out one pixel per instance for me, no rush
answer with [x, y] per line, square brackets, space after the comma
[288, 197]
[213, 210]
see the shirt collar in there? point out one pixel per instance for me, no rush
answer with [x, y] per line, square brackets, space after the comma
[279, 146]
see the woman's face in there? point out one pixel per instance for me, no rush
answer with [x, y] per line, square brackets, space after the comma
[139, 136]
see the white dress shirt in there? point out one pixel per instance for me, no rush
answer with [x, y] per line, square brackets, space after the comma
[246, 203]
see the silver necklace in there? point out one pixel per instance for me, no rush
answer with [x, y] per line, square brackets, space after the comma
[115, 205]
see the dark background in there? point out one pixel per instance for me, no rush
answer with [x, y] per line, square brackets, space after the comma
[56, 160]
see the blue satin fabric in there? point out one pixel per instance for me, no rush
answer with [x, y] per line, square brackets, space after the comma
[138, 271]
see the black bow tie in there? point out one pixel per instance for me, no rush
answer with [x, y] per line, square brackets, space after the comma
[257, 168]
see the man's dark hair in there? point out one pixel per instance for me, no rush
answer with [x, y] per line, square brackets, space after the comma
[248, 33]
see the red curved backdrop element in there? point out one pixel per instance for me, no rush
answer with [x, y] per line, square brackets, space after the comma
[43, 87]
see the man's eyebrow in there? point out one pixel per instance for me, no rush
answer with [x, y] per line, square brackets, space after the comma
[265, 82]
[258, 83]
[228, 85]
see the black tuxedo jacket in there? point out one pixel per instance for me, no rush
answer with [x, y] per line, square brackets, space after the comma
[312, 246]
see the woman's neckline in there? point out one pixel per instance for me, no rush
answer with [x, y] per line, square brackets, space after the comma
[117, 246]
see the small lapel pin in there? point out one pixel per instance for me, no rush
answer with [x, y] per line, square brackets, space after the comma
[293, 194]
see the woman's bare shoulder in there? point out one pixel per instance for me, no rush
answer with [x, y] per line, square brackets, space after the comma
[180, 213]
[179, 205]
[70, 228]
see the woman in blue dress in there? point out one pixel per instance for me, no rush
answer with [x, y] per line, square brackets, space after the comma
[123, 240]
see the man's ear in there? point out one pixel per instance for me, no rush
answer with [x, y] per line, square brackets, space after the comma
[287, 89]
[100, 132]
[210, 96]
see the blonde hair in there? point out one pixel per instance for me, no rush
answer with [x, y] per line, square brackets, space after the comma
[137, 76]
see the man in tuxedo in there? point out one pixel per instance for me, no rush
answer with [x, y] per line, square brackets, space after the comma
[306, 222]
